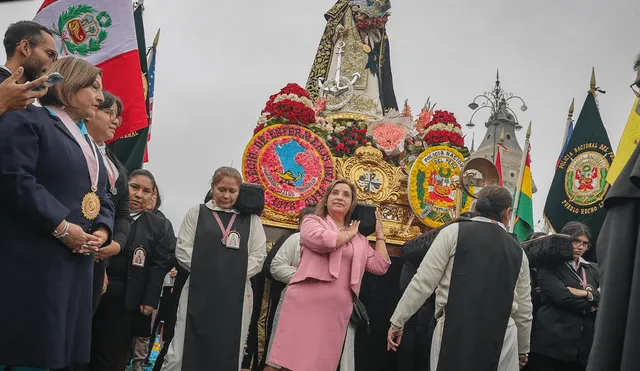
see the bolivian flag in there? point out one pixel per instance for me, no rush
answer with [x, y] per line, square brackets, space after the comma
[628, 142]
[523, 225]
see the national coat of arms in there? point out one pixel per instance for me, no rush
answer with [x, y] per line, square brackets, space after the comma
[432, 191]
[586, 178]
[82, 29]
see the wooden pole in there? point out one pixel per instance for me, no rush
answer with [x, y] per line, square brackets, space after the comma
[523, 162]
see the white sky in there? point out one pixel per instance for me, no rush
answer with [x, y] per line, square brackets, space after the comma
[218, 62]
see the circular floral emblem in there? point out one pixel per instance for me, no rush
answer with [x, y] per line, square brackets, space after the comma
[432, 193]
[293, 164]
[586, 178]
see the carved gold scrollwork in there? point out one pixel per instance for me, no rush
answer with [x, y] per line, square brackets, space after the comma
[377, 182]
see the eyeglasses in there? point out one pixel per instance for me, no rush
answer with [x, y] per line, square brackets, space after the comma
[584, 244]
[112, 114]
[636, 88]
[52, 54]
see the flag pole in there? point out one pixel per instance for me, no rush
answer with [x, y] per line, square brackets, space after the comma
[523, 161]
[569, 119]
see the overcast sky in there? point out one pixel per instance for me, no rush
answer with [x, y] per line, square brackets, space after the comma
[218, 62]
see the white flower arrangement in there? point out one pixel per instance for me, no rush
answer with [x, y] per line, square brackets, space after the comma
[292, 97]
[442, 126]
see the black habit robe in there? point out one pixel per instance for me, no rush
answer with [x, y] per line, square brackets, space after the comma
[213, 330]
[617, 334]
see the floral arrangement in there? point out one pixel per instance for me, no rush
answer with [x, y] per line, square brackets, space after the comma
[442, 129]
[390, 137]
[345, 139]
[292, 105]
[364, 22]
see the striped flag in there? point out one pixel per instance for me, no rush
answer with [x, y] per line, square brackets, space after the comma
[523, 226]
[151, 78]
[628, 143]
[566, 142]
[103, 33]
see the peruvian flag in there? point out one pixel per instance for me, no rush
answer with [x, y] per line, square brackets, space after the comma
[499, 163]
[103, 33]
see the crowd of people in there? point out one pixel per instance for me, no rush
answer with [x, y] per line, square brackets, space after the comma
[87, 259]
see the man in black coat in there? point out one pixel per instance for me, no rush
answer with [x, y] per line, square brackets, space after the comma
[617, 332]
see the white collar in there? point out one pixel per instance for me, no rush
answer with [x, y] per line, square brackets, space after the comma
[581, 261]
[213, 207]
[487, 220]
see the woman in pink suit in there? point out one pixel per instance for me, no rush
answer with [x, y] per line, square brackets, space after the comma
[319, 299]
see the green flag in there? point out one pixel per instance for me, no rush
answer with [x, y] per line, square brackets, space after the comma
[580, 182]
[130, 149]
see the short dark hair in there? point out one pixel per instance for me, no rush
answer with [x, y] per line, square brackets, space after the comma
[22, 30]
[492, 201]
[576, 229]
[158, 199]
[636, 64]
[311, 209]
[147, 173]
[109, 100]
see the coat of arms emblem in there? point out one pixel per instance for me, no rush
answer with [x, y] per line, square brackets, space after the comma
[82, 29]
[586, 178]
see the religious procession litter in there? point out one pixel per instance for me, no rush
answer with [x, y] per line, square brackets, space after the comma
[353, 237]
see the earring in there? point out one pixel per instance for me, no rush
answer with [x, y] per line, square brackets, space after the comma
[63, 107]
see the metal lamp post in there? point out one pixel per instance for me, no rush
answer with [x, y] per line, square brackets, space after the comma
[497, 101]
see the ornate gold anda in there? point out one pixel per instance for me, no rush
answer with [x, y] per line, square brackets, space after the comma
[377, 182]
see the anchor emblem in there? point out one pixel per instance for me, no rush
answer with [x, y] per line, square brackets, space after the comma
[340, 86]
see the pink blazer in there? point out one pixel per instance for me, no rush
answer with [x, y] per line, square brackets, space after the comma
[320, 259]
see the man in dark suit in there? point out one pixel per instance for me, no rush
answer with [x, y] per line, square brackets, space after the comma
[30, 51]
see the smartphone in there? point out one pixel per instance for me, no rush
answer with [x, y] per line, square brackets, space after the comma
[54, 78]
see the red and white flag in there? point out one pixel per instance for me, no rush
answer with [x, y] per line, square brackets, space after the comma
[103, 33]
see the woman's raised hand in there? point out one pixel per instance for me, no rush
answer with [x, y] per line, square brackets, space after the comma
[352, 229]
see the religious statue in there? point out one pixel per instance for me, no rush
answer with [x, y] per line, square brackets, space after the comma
[352, 67]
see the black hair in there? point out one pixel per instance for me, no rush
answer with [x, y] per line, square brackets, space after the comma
[109, 100]
[467, 214]
[158, 199]
[492, 201]
[535, 235]
[147, 173]
[576, 229]
[23, 30]
[636, 64]
[310, 209]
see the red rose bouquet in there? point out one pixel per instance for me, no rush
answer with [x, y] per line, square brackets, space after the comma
[346, 139]
[443, 128]
[292, 105]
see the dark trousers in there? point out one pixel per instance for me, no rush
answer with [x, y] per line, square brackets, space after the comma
[112, 334]
[539, 362]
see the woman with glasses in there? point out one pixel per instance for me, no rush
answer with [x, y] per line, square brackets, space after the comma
[563, 327]
[102, 128]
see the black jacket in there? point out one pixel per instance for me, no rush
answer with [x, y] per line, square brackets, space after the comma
[121, 225]
[140, 281]
[564, 324]
[120, 200]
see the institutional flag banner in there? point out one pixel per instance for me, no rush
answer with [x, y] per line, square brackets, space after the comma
[580, 185]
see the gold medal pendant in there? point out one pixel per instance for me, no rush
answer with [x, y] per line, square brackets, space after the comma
[90, 205]
[366, 48]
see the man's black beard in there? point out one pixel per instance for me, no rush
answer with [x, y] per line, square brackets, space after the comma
[32, 70]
